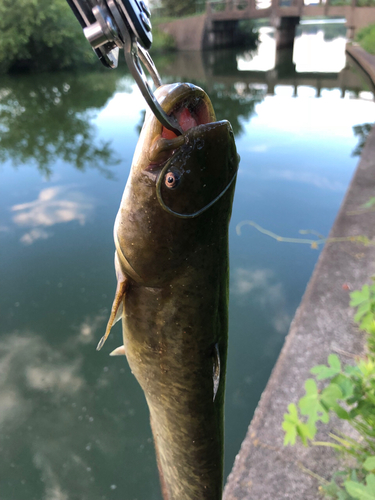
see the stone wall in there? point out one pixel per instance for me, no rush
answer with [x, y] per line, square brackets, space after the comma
[188, 32]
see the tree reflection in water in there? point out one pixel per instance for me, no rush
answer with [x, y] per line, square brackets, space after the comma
[361, 131]
[48, 117]
[235, 103]
[216, 72]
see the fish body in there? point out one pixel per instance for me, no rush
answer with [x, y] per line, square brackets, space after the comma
[171, 236]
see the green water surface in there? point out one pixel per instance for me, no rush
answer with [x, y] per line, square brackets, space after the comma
[73, 422]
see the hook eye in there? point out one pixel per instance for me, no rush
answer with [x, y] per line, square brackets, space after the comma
[133, 61]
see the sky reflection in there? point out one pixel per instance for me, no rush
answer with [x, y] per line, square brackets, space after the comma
[74, 422]
[54, 205]
[67, 437]
[312, 53]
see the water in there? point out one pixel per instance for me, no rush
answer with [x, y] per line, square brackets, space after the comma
[74, 423]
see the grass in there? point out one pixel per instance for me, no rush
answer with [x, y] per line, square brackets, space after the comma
[366, 38]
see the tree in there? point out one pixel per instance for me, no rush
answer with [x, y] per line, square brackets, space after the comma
[42, 35]
[178, 9]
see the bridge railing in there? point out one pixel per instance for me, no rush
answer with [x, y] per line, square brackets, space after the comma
[338, 3]
[237, 5]
[243, 5]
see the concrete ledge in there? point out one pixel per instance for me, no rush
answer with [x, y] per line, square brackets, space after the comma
[365, 60]
[323, 324]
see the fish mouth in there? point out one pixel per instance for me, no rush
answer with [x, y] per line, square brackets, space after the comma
[185, 158]
[189, 105]
[193, 156]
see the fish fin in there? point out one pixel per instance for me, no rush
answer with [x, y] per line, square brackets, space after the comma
[216, 370]
[119, 351]
[119, 312]
[117, 306]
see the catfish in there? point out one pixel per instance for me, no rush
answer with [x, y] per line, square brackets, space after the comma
[172, 267]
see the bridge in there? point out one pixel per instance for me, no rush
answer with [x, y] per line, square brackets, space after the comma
[218, 70]
[222, 16]
[217, 27]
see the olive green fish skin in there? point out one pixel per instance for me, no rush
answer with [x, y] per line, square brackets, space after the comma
[176, 305]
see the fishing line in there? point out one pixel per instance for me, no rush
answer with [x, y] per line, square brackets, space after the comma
[195, 214]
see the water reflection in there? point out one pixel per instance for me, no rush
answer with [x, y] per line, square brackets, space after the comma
[67, 448]
[36, 382]
[235, 75]
[361, 132]
[316, 49]
[54, 205]
[259, 286]
[216, 72]
[75, 425]
[45, 118]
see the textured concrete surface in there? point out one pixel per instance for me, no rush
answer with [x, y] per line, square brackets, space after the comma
[364, 59]
[323, 324]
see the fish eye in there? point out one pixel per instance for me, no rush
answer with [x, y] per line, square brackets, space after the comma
[171, 180]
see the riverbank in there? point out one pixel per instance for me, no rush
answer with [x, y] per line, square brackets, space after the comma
[264, 469]
[365, 60]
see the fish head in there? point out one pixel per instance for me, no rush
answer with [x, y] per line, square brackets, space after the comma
[179, 192]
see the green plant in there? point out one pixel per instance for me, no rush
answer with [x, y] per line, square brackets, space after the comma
[162, 42]
[179, 9]
[366, 38]
[249, 34]
[40, 35]
[349, 393]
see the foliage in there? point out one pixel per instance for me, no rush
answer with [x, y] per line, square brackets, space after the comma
[364, 300]
[362, 132]
[249, 34]
[46, 118]
[230, 105]
[40, 35]
[171, 8]
[365, 3]
[349, 393]
[340, 2]
[161, 42]
[366, 38]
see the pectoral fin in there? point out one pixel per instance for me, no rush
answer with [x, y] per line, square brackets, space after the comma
[119, 351]
[117, 306]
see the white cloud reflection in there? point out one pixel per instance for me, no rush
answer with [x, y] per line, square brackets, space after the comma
[54, 205]
[259, 148]
[259, 286]
[47, 409]
[35, 234]
[314, 179]
[53, 489]
[89, 328]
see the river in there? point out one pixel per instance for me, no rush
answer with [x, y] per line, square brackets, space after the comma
[74, 423]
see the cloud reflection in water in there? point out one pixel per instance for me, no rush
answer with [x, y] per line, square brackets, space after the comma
[59, 451]
[260, 283]
[54, 205]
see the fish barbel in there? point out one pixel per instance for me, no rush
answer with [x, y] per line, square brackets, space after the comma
[172, 266]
